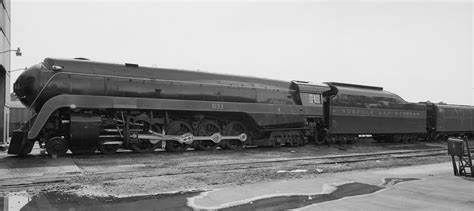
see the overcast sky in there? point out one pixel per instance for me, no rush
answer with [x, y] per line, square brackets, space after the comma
[421, 50]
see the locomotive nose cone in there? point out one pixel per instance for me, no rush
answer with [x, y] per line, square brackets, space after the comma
[25, 87]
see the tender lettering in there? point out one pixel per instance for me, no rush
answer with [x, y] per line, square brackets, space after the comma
[377, 112]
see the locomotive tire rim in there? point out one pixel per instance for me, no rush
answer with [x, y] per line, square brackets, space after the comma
[207, 128]
[143, 126]
[56, 146]
[232, 129]
[177, 128]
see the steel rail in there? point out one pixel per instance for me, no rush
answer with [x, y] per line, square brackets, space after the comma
[229, 167]
[270, 161]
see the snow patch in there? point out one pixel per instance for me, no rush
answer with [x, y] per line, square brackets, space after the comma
[327, 189]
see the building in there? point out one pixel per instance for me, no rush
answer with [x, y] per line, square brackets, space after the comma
[4, 70]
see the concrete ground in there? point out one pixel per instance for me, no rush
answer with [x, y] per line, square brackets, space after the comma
[427, 187]
[17, 170]
[40, 169]
[276, 186]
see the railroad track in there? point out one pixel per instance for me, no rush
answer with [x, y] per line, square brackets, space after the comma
[348, 156]
[300, 162]
[269, 163]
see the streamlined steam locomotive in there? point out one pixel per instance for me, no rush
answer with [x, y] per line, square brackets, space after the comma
[81, 106]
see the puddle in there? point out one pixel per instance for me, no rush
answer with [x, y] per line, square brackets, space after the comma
[293, 202]
[393, 181]
[178, 201]
[14, 201]
[293, 171]
[298, 201]
[71, 202]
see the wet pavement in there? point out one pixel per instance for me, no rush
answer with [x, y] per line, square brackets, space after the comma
[64, 201]
[177, 201]
[292, 202]
[430, 187]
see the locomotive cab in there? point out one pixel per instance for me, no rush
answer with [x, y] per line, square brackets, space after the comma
[310, 94]
[314, 96]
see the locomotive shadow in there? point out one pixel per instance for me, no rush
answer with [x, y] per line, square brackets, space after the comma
[471, 179]
[33, 161]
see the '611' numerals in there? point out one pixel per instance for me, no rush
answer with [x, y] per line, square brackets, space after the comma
[217, 106]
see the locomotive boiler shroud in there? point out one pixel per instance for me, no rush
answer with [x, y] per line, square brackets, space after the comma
[53, 77]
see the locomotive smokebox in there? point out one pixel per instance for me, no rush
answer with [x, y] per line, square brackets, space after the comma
[30, 83]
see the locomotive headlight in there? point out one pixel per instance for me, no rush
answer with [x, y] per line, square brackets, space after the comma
[16, 86]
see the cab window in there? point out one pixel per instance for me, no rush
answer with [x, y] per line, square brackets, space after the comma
[315, 98]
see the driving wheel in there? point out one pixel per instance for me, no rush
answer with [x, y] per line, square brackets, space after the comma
[234, 129]
[177, 128]
[207, 128]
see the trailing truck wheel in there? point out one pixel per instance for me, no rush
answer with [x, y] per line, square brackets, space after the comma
[234, 129]
[277, 138]
[177, 128]
[342, 140]
[296, 138]
[207, 128]
[108, 149]
[56, 146]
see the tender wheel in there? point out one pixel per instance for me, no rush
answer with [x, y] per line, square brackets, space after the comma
[145, 145]
[177, 128]
[351, 140]
[397, 139]
[56, 146]
[234, 129]
[108, 149]
[320, 140]
[207, 128]
[444, 137]
[343, 140]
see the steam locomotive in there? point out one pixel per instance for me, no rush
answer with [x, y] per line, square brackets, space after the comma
[81, 106]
